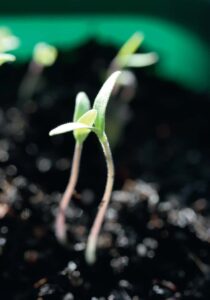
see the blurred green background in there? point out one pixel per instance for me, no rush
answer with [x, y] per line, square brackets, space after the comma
[179, 31]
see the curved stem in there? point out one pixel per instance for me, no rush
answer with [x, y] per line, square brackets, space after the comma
[60, 224]
[90, 254]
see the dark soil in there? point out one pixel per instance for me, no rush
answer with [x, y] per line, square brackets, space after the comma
[155, 241]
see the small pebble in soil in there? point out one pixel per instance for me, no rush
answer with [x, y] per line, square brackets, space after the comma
[200, 205]
[105, 240]
[150, 243]
[122, 241]
[20, 182]
[119, 263]
[68, 296]
[2, 241]
[46, 290]
[111, 214]
[25, 214]
[43, 164]
[4, 155]
[75, 278]
[11, 170]
[122, 196]
[71, 266]
[141, 250]
[87, 197]
[79, 247]
[125, 284]
[4, 230]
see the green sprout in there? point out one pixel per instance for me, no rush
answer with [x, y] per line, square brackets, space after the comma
[86, 120]
[126, 56]
[125, 89]
[44, 55]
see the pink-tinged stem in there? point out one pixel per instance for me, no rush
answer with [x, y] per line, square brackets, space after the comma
[30, 82]
[60, 224]
[90, 254]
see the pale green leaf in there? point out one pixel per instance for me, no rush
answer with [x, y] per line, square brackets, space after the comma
[128, 48]
[45, 54]
[139, 60]
[68, 127]
[88, 119]
[102, 99]
[82, 105]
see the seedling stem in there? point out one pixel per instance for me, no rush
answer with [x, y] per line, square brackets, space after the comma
[90, 254]
[60, 224]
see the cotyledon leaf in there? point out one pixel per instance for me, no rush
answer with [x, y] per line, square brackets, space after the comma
[68, 127]
[88, 119]
[102, 99]
[82, 105]
[130, 46]
[139, 59]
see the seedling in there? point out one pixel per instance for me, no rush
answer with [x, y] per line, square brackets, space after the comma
[125, 89]
[126, 56]
[85, 121]
[44, 55]
[82, 115]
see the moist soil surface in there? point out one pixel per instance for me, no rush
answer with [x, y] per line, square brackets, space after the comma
[155, 241]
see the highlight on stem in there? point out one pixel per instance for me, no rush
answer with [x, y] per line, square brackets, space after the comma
[86, 120]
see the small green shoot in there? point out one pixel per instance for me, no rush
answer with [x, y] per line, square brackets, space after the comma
[127, 49]
[139, 60]
[92, 120]
[44, 55]
[126, 56]
[125, 88]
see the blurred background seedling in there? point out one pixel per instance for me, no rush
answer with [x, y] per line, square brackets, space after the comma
[44, 55]
[125, 89]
